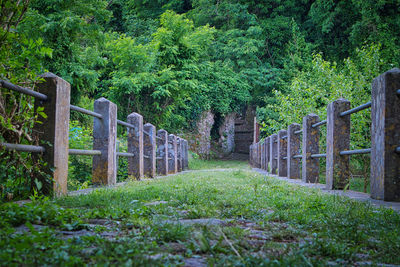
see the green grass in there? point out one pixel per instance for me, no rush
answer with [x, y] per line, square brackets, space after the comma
[198, 164]
[267, 223]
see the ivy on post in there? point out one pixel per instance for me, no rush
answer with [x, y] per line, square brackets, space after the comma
[172, 154]
[293, 150]
[385, 135]
[274, 153]
[310, 166]
[149, 150]
[54, 129]
[162, 152]
[105, 139]
[135, 146]
[282, 153]
[337, 139]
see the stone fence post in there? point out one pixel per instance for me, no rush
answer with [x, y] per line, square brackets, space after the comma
[179, 145]
[162, 152]
[184, 154]
[267, 153]
[293, 150]
[310, 166]
[385, 135]
[149, 150]
[262, 156]
[105, 140]
[172, 154]
[337, 139]
[54, 129]
[135, 146]
[257, 155]
[282, 153]
[274, 153]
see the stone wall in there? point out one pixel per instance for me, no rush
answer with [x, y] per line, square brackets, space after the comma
[202, 144]
[227, 134]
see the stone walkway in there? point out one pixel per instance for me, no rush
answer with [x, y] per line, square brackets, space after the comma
[359, 196]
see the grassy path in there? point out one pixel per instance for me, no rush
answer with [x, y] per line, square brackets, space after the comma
[232, 216]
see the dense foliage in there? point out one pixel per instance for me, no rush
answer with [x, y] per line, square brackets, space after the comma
[171, 60]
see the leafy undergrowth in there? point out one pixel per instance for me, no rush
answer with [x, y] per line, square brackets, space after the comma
[251, 220]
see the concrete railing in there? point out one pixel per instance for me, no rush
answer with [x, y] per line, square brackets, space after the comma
[280, 153]
[150, 153]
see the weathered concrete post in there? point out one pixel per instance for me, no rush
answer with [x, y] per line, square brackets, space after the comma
[274, 153]
[267, 153]
[310, 166]
[253, 155]
[250, 155]
[262, 156]
[293, 150]
[282, 153]
[149, 150]
[172, 154]
[54, 129]
[104, 169]
[337, 139]
[256, 155]
[135, 146]
[185, 155]
[162, 152]
[385, 135]
[179, 145]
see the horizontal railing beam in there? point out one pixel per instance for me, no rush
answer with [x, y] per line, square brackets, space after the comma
[318, 155]
[299, 131]
[319, 123]
[297, 156]
[123, 154]
[84, 152]
[22, 90]
[23, 148]
[356, 151]
[85, 111]
[356, 109]
[125, 124]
